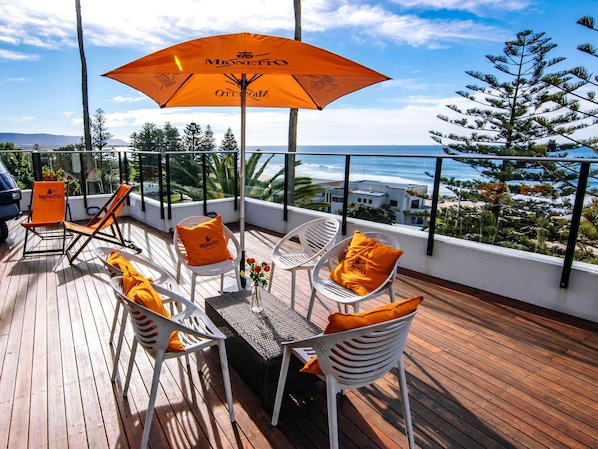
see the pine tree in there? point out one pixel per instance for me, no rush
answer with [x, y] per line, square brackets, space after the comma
[229, 142]
[208, 142]
[192, 136]
[99, 133]
[575, 86]
[520, 116]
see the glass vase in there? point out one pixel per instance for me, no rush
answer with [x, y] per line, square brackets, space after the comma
[256, 299]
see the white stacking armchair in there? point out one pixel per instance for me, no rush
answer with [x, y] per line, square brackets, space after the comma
[315, 236]
[352, 359]
[158, 275]
[323, 286]
[153, 332]
[213, 269]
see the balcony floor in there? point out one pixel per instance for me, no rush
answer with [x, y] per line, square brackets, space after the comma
[483, 371]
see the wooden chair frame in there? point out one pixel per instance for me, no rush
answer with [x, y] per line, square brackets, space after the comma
[102, 226]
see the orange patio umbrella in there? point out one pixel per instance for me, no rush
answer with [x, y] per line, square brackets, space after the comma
[246, 70]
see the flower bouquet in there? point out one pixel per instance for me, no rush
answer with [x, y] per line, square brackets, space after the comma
[259, 273]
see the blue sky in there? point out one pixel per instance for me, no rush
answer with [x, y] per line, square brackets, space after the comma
[425, 46]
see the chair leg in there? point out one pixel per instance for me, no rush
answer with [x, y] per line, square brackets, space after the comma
[226, 378]
[178, 272]
[152, 400]
[115, 321]
[311, 303]
[282, 379]
[271, 277]
[405, 403]
[130, 368]
[121, 335]
[293, 281]
[193, 281]
[391, 292]
[332, 413]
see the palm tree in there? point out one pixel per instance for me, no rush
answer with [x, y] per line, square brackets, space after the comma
[84, 92]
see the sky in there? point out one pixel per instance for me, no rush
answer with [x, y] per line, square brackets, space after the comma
[425, 46]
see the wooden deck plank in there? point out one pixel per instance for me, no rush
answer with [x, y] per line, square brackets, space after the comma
[483, 371]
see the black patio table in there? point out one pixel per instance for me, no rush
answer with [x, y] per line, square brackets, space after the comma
[254, 340]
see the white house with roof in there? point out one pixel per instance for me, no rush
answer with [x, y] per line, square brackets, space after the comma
[405, 200]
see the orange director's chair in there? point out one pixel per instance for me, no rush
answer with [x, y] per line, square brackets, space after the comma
[47, 213]
[103, 225]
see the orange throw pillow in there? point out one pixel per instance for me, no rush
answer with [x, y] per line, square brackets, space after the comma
[338, 322]
[366, 265]
[205, 243]
[140, 290]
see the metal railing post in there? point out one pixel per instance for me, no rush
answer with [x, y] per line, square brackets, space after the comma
[584, 172]
[434, 211]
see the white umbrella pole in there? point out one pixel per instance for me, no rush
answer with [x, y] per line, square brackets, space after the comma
[242, 177]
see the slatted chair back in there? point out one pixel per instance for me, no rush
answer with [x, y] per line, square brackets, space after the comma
[326, 287]
[212, 269]
[315, 236]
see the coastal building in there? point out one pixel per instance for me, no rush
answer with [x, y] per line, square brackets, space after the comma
[406, 201]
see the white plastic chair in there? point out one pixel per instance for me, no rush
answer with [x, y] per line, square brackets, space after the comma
[352, 359]
[316, 237]
[158, 275]
[153, 331]
[326, 287]
[214, 269]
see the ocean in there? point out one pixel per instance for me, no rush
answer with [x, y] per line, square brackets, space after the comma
[328, 163]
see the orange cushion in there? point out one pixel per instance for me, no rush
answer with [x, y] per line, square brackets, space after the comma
[338, 322]
[366, 265]
[117, 260]
[205, 243]
[139, 289]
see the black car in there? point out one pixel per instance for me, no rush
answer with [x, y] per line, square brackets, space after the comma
[10, 198]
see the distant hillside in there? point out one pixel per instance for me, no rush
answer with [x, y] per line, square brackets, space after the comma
[44, 140]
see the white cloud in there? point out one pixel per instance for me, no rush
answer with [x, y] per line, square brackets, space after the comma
[8, 55]
[475, 6]
[129, 99]
[152, 24]
[409, 124]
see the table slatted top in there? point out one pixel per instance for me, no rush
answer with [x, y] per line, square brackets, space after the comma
[266, 330]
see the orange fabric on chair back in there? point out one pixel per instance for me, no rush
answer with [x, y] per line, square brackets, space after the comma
[48, 202]
[114, 207]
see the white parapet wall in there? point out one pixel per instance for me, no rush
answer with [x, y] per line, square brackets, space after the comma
[527, 277]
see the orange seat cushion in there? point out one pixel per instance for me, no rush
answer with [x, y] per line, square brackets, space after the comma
[139, 289]
[338, 322]
[205, 243]
[366, 266]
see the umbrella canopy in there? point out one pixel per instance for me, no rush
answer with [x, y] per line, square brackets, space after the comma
[246, 70]
[279, 72]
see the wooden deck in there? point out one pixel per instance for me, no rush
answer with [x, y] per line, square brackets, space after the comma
[483, 371]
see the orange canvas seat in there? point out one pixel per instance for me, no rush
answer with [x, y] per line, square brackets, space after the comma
[103, 226]
[47, 213]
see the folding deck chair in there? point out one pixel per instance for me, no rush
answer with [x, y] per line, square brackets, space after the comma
[103, 226]
[47, 214]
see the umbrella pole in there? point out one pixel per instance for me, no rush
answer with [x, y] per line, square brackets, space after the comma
[242, 178]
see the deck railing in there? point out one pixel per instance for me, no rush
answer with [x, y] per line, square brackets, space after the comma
[171, 177]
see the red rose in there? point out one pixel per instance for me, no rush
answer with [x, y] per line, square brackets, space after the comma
[267, 268]
[257, 268]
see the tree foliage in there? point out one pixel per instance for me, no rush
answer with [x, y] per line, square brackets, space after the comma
[370, 213]
[516, 113]
[99, 132]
